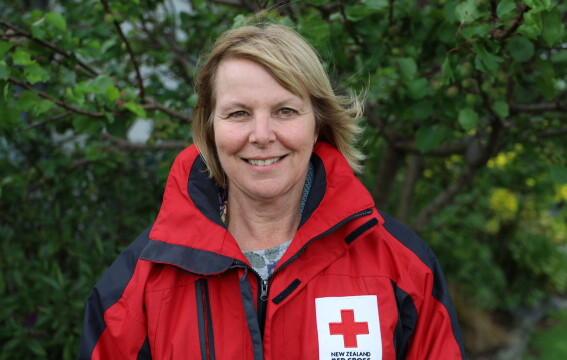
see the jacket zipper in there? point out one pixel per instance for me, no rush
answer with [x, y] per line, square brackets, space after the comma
[323, 234]
[263, 285]
[262, 303]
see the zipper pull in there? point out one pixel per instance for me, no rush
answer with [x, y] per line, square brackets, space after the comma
[264, 290]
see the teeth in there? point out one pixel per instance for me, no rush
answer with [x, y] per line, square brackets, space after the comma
[264, 162]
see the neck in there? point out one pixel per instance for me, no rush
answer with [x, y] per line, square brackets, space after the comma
[259, 224]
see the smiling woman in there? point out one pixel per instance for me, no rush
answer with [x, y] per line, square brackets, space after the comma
[264, 138]
[266, 245]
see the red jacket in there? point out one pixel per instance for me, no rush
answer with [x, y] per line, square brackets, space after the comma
[353, 284]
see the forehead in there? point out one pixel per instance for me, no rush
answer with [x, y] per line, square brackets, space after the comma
[240, 76]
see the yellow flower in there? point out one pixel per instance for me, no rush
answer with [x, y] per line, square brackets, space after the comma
[530, 182]
[504, 203]
[501, 160]
[562, 193]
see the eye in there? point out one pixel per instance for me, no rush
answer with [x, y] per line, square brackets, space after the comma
[286, 112]
[238, 114]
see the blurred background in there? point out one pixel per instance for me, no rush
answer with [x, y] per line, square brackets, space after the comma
[466, 137]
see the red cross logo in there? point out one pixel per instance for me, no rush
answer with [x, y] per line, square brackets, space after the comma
[348, 328]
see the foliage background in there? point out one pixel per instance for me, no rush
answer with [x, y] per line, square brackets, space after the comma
[466, 133]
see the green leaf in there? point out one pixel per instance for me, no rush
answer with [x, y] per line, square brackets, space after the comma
[501, 109]
[38, 29]
[485, 61]
[553, 28]
[21, 57]
[86, 125]
[239, 21]
[531, 28]
[192, 101]
[100, 84]
[56, 20]
[480, 31]
[136, 109]
[429, 137]
[559, 57]
[35, 346]
[112, 93]
[4, 70]
[505, 7]
[520, 48]
[42, 107]
[27, 100]
[357, 13]
[376, 4]
[34, 73]
[408, 68]
[538, 5]
[467, 11]
[418, 88]
[468, 119]
[558, 174]
[447, 71]
[314, 29]
[4, 47]
[10, 116]
[545, 78]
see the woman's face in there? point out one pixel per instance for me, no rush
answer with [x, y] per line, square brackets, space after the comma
[264, 134]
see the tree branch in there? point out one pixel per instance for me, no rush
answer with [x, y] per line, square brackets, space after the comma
[442, 200]
[126, 145]
[53, 119]
[391, 12]
[152, 105]
[389, 167]
[129, 48]
[519, 21]
[414, 169]
[57, 102]
[51, 46]
[453, 148]
[348, 26]
[182, 61]
[552, 133]
[539, 107]
[236, 3]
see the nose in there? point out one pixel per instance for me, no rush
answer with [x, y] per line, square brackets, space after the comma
[262, 132]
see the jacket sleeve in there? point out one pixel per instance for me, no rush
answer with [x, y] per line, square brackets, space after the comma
[437, 333]
[114, 323]
[428, 327]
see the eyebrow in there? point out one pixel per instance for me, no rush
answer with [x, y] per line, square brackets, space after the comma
[233, 104]
[295, 101]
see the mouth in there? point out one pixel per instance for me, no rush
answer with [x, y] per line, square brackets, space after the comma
[264, 162]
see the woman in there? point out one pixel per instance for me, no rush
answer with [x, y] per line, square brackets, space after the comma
[266, 245]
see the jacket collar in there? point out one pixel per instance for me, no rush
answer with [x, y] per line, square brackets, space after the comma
[189, 233]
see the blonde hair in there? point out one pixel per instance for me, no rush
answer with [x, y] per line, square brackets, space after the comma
[295, 65]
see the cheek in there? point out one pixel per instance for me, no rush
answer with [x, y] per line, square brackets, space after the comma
[228, 139]
[300, 136]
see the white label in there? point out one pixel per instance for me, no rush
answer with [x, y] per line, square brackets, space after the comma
[348, 328]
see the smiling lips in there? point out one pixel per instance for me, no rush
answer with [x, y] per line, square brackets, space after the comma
[264, 162]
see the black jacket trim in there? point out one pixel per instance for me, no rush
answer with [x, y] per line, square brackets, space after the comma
[108, 291]
[287, 291]
[425, 254]
[204, 192]
[204, 319]
[361, 230]
[407, 315]
[145, 352]
[251, 315]
[317, 191]
[193, 260]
